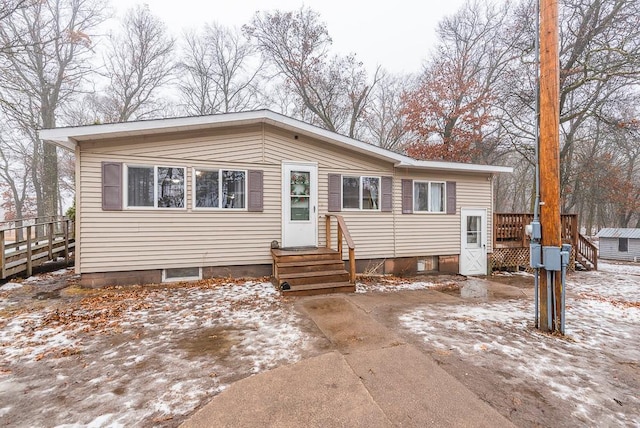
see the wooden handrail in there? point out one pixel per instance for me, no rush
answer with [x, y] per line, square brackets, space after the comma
[342, 232]
[587, 250]
[22, 247]
[33, 222]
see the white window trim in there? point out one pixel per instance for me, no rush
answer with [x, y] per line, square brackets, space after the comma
[444, 193]
[182, 278]
[219, 170]
[360, 188]
[125, 192]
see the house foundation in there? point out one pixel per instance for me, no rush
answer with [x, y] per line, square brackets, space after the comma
[400, 266]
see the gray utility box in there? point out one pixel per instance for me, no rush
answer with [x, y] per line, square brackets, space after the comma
[552, 258]
[535, 255]
[566, 254]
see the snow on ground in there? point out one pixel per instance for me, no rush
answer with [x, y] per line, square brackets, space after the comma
[362, 287]
[146, 356]
[11, 286]
[588, 368]
[36, 279]
[619, 268]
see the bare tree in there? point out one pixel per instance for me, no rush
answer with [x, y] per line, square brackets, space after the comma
[383, 122]
[452, 114]
[15, 164]
[43, 75]
[600, 61]
[600, 68]
[221, 72]
[7, 9]
[138, 64]
[334, 89]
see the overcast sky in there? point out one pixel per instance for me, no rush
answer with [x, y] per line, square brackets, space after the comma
[397, 34]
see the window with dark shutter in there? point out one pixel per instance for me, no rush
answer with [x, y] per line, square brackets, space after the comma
[111, 186]
[256, 185]
[386, 203]
[335, 198]
[451, 197]
[407, 196]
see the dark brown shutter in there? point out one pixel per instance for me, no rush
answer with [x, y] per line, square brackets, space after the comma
[451, 197]
[255, 184]
[386, 203]
[407, 196]
[335, 195]
[111, 186]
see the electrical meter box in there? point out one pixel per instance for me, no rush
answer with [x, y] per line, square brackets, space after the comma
[551, 258]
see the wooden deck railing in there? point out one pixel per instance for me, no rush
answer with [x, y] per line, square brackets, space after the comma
[508, 229]
[342, 232]
[30, 243]
[587, 250]
[509, 232]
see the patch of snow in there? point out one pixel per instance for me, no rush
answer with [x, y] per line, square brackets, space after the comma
[36, 279]
[385, 287]
[145, 366]
[623, 268]
[11, 286]
[602, 333]
[509, 274]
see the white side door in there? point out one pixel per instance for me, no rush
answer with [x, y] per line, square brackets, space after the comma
[299, 204]
[473, 242]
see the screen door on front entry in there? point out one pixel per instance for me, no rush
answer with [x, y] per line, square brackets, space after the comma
[299, 204]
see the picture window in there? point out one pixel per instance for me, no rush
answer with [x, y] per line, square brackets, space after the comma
[155, 187]
[361, 193]
[220, 189]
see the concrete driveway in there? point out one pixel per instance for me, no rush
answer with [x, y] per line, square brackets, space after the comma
[373, 378]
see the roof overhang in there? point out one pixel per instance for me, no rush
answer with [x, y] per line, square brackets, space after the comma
[454, 166]
[70, 137]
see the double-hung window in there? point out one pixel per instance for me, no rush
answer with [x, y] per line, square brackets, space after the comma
[429, 196]
[155, 186]
[361, 193]
[220, 188]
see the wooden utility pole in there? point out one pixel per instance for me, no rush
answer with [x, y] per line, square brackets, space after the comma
[549, 153]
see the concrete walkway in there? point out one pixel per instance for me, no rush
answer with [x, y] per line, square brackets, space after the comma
[373, 379]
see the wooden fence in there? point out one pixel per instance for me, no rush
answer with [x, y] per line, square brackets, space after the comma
[28, 243]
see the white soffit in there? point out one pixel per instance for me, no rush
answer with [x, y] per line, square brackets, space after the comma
[68, 137]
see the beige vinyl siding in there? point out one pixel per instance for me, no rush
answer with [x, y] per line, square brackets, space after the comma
[138, 239]
[438, 233]
[281, 145]
[141, 239]
[164, 238]
[221, 145]
[372, 231]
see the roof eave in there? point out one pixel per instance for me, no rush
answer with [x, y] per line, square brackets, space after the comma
[69, 137]
[455, 167]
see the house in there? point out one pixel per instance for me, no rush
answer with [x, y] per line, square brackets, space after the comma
[206, 196]
[620, 244]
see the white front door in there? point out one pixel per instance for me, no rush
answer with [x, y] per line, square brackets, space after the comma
[473, 245]
[299, 202]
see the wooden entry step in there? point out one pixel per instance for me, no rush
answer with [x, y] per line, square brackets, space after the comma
[308, 271]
